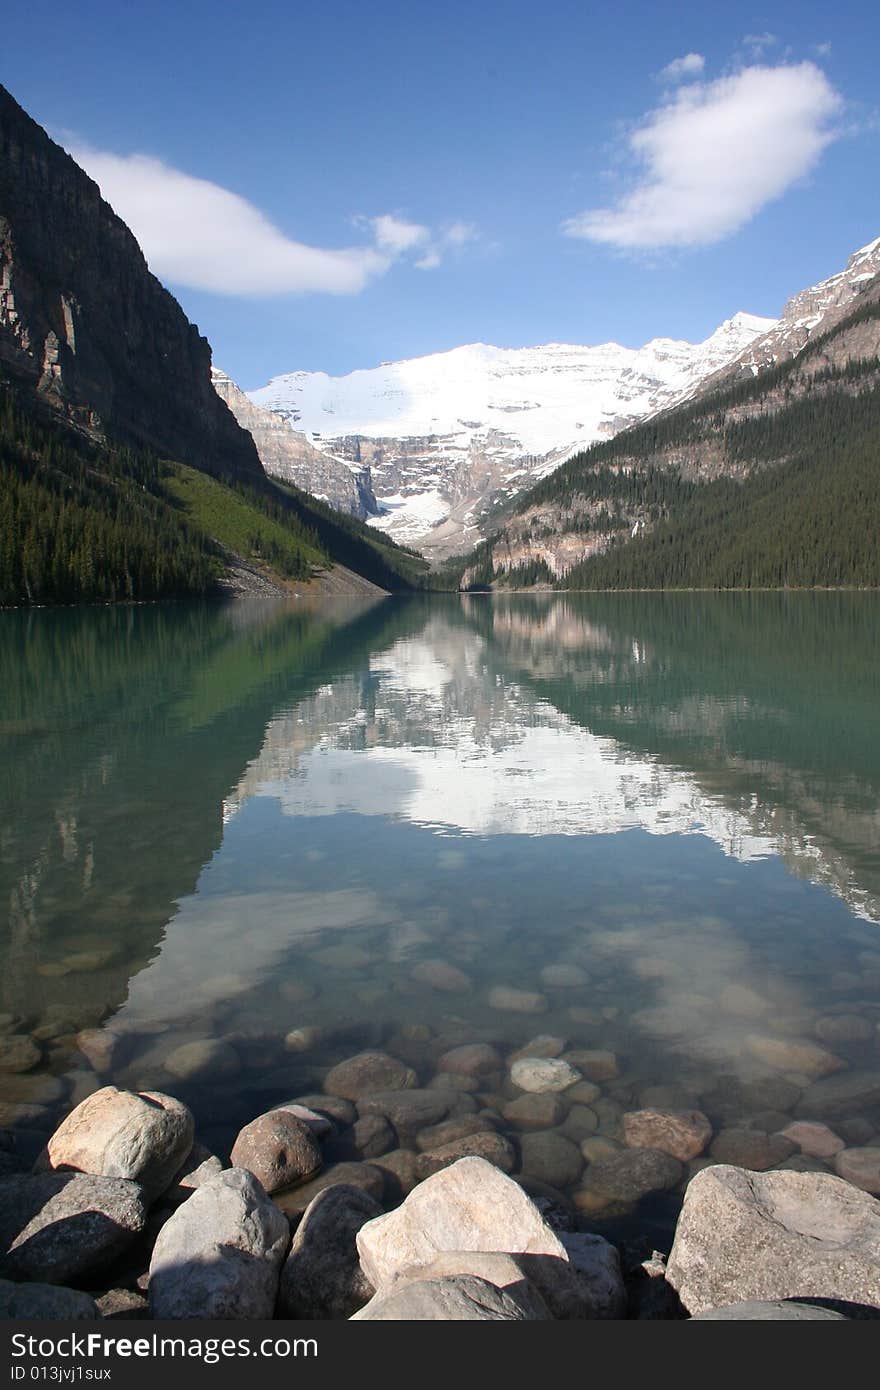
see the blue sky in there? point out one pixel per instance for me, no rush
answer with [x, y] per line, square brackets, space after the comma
[329, 186]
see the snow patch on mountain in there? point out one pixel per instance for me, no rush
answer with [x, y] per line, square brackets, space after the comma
[452, 436]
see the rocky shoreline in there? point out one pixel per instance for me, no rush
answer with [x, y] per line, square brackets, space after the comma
[470, 1198]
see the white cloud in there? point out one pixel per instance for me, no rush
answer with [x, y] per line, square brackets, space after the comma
[714, 155]
[395, 236]
[198, 234]
[680, 68]
[460, 233]
[757, 44]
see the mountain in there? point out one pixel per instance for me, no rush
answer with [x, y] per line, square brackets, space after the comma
[123, 475]
[85, 327]
[767, 476]
[287, 454]
[450, 439]
[816, 309]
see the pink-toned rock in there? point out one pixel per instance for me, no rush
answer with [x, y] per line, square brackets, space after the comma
[861, 1167]
[797, 1055]
[595, 1064]
[814, 1138]
[750, 1148]
[278, 1149]
[473, 1059]
[367, 1072]
[517, 1001]
[844, 1028]
[440, 975]
[682, 1133]
[121, 1134]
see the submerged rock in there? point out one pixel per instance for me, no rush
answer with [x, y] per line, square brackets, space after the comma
[543, 1074]
[369, 1072]
[682, 1133]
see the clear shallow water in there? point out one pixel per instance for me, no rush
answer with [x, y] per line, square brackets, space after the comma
[231, 822]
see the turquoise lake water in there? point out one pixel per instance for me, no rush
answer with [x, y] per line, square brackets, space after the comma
[234, 822]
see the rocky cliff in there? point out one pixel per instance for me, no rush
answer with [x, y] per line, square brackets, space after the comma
[287, 454]
[87, 327]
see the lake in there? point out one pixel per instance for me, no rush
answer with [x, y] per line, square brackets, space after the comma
[241, 842]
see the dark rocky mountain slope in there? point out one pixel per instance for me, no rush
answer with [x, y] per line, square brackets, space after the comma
[87, 328]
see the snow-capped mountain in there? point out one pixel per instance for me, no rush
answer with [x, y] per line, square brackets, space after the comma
[805, 311]
[452, 436]
[286, 453]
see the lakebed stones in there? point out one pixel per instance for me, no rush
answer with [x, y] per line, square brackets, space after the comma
[18, 1052]
[55, 1227]
[851, 1093]
[487, 1145]
[844, 1028]
[322, 1277]
[27, 1301]
[744, 1235]
[144, 1137]
[596, 1064]
[447, 1131]
[508, 999]
[551, 1158]
[543, 1074]
[278, 1149]
[564, 976]
[366, 1176]
[442, 976]
[335, 1108]
[539, 1110]
[368, 1072]
[414, 1110]
[202, 1060]
[861, 1167]
[220, 1254]
[750, 1148]
[813, 1138]
[629, 1175]
[796, 1055]
[682, 1133]
[472, 1059]
[462, 1298]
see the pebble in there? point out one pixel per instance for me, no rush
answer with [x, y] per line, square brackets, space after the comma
[494, 1148]
[750, 1148]
[814, 1138]
[209, 1058]
[540, 1074]
[682, 1133]
[442, 976]
[540, 1110]
[471, 1060]
[368, 1072]
[861, 1167]
[595, 1064]
[507, 999]
[363, 1175]
[18, 1052]
[551, 1158]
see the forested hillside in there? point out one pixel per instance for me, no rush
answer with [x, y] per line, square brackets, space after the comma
[774, 480]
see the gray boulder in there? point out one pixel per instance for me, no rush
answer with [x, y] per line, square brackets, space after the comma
[597, 1264]
[743, 1236]
[771, 1310]
[322, 1276]
[27, 1301]
[462, 1298]
[220, 1254]
[57, 1227]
